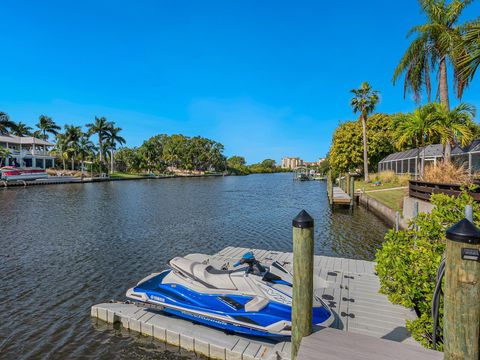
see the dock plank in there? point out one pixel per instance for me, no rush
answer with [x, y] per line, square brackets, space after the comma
[332, 344]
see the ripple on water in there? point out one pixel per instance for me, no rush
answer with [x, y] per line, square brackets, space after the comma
[64, 248]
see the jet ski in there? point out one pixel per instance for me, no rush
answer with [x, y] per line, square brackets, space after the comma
[251, 299]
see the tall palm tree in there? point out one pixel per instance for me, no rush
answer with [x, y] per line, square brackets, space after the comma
[46, 126]
[113, 139]
[62, 149]
[73, 135]
[364, 101]
[100, 127]
[21, 129]
[452, 125]
[85, 149]
[5, 123]
[438, 40]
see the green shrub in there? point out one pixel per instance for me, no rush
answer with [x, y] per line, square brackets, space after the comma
[408, 262]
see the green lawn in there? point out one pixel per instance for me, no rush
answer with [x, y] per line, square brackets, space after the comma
[391, 198]
[360, 185]
[120, 175]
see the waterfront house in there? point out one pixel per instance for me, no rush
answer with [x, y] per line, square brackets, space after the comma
[27, 151]
[413, 160]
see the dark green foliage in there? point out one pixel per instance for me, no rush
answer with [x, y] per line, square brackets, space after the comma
[346, 152]
[237, 165]
[409, 259]
[175, 151]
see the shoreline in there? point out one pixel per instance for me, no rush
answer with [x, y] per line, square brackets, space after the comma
[57, 180]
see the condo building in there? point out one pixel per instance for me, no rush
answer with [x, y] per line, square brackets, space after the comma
[291, 162]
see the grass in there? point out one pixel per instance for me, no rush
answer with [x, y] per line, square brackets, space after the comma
[360, 185]
[391, 198]
[387, 180]
[120, 175]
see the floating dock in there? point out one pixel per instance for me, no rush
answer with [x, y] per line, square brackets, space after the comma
[366, 323]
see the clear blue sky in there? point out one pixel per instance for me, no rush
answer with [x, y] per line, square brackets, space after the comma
[265, 78]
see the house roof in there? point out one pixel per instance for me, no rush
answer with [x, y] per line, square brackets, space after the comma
[24, 140]
[435, 150]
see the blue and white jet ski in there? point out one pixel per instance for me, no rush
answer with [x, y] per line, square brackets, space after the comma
[253, 299]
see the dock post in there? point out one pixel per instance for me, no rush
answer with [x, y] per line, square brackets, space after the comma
[330, 187]
[302, 301]
[351, 183]
[462, 291]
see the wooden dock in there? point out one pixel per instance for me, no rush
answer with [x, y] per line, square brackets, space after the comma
[344, 193]
[352, 293]
[340, 197]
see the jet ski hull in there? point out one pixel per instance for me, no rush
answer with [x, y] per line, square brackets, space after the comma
[221, 310]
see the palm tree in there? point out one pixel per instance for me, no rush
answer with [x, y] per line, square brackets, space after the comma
[61, 148]
[113, 138]
[469, 61]
[416, 128]
[5, 123]
[364, 101]
[73, 135]
[46, 126]
[453, 125]
[85, 149]
[100, 127]
[4, 154]
[437, 41]
[21, 129]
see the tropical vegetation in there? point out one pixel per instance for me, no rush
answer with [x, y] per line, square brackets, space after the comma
[347, 149]
[408, 261]
[363, 102]
[439, 40]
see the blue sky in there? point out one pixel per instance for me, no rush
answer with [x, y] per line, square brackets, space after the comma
[265, 78]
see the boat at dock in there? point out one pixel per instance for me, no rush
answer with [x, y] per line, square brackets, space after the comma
[12, 173]
[251, 299]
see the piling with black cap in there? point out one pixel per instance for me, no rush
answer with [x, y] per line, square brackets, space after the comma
[302, 300]
[461, 323]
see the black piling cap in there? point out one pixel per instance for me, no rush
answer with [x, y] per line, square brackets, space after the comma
[303, 220]
[464, 231]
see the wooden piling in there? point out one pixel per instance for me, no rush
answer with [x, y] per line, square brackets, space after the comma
[462, 292]
[330, 187]
[351, 187]
[302, 300]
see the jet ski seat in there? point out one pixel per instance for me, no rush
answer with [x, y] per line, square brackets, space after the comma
[205, 274]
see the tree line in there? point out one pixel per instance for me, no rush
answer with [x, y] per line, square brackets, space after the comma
[440, 40]
[174, 152]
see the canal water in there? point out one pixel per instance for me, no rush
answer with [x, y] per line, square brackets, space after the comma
[64, 248]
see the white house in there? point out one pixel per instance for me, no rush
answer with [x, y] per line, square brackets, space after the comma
[27, 151]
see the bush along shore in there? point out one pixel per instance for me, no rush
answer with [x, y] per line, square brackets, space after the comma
[408, 261]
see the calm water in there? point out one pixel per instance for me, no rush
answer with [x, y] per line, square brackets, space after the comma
[64, 248]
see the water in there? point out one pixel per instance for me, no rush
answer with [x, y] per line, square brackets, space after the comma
[64, 248]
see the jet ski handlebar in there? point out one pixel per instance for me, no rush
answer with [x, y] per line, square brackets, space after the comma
[254, 266]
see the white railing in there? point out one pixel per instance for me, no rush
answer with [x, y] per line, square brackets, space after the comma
[29, 152]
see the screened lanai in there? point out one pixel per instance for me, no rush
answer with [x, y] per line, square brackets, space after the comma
[411, 161]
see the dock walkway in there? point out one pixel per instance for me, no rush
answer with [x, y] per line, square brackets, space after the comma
[339, 196]
[352, 294]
